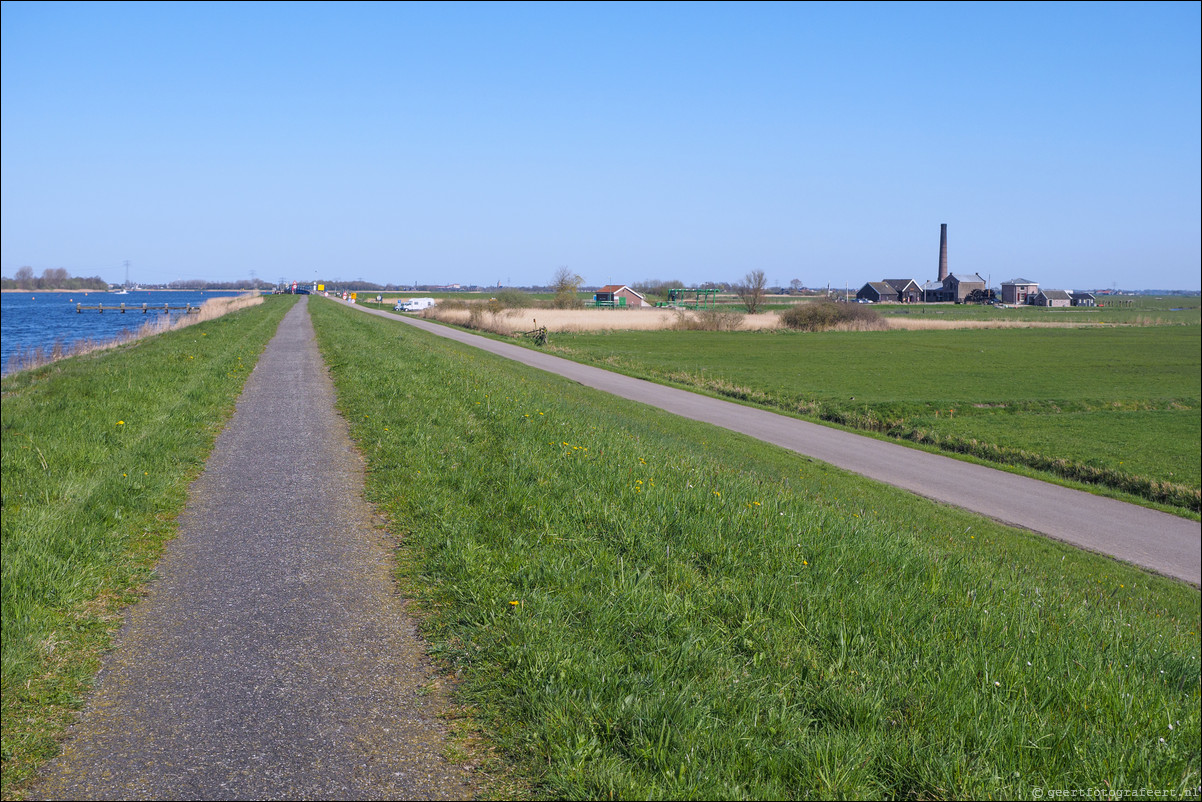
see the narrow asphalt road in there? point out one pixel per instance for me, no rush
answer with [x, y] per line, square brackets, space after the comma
[1157, 541]
[273, 658]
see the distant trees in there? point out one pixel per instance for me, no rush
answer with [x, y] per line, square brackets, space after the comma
[752, 291]
[52, 278]
[655, 288]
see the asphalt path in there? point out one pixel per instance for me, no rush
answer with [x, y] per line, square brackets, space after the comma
[272, 659]
[1163, 543]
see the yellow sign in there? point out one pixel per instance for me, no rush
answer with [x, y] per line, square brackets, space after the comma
[354, 296]
[321, 288]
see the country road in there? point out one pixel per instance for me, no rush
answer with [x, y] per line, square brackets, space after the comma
[1155, 540]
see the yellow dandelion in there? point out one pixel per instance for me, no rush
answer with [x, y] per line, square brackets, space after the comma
[514, 603]
[120, 423]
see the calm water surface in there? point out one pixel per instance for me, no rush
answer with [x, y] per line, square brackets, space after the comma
[37, 320]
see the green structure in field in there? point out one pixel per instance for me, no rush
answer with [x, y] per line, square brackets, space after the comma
[691, 299]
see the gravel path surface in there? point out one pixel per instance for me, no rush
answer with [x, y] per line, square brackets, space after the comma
[1166, 544]
[272, 658]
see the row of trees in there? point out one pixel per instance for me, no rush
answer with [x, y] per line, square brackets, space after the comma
[52, 278]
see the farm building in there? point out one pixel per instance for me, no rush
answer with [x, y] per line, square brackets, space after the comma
[618, 295]
[954, 288]
[1019, 291]
[907, 289]
[1083, 299]
[1052, 298]
[877, 292]
[891, 290]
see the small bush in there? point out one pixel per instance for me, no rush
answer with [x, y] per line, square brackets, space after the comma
[513, 299]
[827, 316]
[707, 320]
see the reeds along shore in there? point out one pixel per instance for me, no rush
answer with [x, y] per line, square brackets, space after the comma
[26, 358]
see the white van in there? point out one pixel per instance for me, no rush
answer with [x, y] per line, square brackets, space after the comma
[413, 305]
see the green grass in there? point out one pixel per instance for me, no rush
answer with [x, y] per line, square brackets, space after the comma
[643, 607]
[1167, 310]
[1115, 406]
[97, 454]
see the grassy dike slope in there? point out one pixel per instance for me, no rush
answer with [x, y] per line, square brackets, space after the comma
[1109, 407]
[643, 607]
[97, 455]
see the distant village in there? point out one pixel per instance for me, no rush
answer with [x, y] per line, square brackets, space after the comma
[968, 288]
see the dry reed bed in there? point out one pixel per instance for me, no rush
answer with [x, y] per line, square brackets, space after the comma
[510, 321]
[578, 320]
[27, 358]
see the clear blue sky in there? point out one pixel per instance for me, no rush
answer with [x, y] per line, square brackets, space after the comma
[485, 143]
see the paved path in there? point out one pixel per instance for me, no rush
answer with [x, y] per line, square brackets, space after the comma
[1163, 543]
[273, 658]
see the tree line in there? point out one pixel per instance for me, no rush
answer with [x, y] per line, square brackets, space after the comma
[52, 278]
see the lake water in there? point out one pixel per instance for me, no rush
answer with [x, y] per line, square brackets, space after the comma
[39, 319]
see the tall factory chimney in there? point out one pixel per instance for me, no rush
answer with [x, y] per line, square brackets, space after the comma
[942, 251]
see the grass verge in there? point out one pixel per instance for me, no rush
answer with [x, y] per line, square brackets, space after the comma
[641, 606]
[97, 454]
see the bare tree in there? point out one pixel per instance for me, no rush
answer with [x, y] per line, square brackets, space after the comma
[565, 285]
[795, 285]
[751, 291]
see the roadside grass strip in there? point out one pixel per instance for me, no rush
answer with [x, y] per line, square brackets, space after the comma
[640, 606]
[97, 454]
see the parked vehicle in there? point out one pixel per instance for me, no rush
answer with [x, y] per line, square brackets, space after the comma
[414, 305]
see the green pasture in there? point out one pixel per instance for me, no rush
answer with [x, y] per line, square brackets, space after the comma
[1122, 402]
[97, 453]
[639, 606]
[1126, 309]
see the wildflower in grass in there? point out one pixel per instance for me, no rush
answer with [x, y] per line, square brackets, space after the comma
[515, 604]
[120, 423]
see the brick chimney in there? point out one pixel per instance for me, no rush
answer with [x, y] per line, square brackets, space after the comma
[942, 251]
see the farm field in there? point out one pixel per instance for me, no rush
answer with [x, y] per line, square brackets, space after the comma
[1119, 403]
[97, 454]
[638, 606]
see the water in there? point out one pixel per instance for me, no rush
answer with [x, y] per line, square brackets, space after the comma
[39, 319]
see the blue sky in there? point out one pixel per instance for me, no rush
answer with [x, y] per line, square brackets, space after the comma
[486, 143]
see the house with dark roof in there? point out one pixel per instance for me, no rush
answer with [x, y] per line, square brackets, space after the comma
[891, 291]
[877, 292]
[1019, 291]
[1083, 298]
[1052, 298]
[907, 289]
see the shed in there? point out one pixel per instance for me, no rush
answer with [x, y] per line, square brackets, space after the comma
[1083, 299]
[1052, 298]
[618, 295]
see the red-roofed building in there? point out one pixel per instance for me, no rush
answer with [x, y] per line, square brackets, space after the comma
[618, 295]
